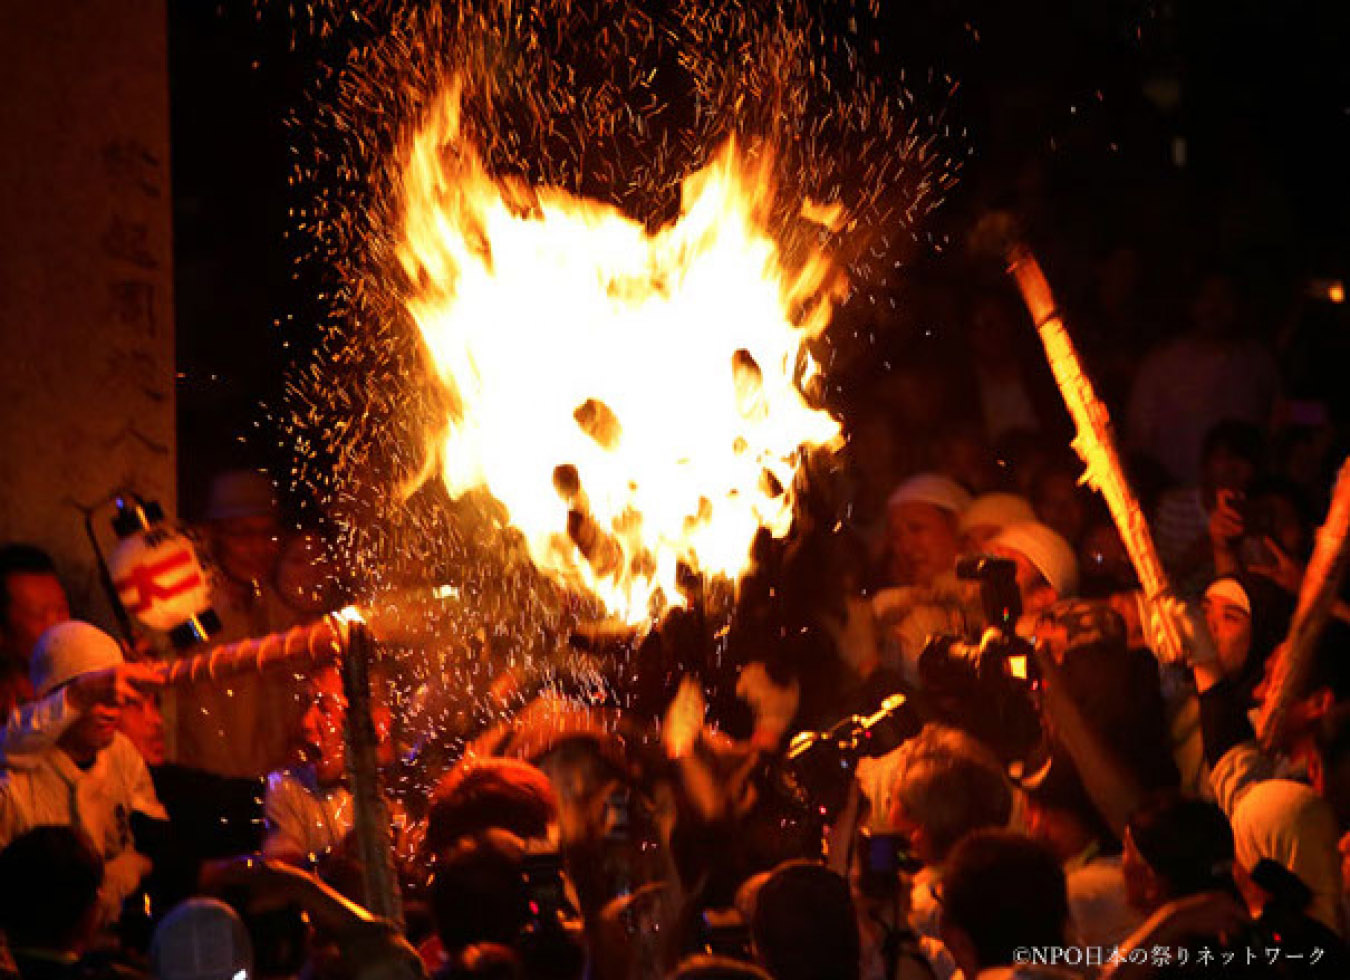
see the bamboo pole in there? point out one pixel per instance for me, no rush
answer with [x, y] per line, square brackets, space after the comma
[1095, 443]
[372, 824]
[1317, 594]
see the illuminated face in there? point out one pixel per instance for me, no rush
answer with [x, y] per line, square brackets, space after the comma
[922, 542]
[143, 724]
[246, 547]
[36, 604]
[94, 731]
[323, 727]
[1231, 627]
[304, 574]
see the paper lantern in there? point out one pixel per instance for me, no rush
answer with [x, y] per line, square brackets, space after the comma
[158, 576]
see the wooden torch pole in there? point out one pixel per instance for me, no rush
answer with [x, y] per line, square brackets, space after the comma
[372, 829]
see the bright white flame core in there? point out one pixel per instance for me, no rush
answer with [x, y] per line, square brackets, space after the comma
[551, 318]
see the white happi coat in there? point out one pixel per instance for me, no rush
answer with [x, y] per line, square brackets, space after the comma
[51, 790]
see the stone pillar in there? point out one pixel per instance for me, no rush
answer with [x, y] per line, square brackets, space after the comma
[86, 304]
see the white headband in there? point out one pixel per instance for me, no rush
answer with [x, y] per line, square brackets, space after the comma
[1230, 590]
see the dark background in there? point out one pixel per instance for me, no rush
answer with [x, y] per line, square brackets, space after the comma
[1184, 127]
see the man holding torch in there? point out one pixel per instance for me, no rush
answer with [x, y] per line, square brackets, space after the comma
[242, 727]
[84, 774]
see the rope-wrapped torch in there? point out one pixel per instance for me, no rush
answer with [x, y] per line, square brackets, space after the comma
[1096, 445]
[1317, 594]
[374, 837]
[345, 640]
[316, 645]
[393, 617]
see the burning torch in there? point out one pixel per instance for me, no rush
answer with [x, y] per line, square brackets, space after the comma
[1095, 442]
[1317, 594]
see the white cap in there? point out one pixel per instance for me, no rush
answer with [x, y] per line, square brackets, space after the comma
[68, 650]
[1048, 553]
[997, 510]
[931, 488]
[201, 939]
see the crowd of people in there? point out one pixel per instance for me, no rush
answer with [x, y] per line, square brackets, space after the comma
[956, 752]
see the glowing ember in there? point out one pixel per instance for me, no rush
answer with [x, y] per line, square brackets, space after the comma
[630, 397]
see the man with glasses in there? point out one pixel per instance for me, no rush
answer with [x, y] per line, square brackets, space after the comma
[241, 727]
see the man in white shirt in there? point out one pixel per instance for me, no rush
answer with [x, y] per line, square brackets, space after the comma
[309, 807]
[240, 729]
[936, 788]
[91, 778]
[1060, 815]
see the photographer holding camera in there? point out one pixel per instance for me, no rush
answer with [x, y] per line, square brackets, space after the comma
[1071, 698]
[1047, 568]
[982, 676]
[1040, 569]
[924, 797]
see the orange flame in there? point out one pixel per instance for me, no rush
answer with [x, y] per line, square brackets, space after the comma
[631, 397]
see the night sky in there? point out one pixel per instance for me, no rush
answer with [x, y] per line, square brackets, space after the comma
[1102, 98]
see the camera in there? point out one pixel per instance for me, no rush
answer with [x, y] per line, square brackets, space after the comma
[987, 683]
[952, 662]
[887, 854]
[818, 767]
[1000, 598]
[550, 912]
[882, 858]
[949, 663]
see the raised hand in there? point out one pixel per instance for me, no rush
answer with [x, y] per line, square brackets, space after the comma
[113, 685]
